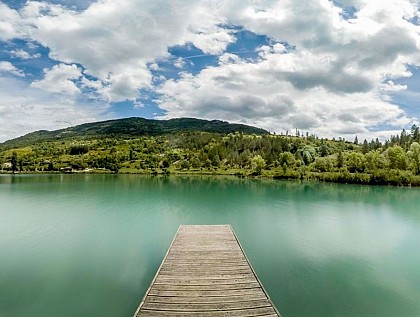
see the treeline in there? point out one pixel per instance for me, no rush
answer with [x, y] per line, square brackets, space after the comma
[396, 161]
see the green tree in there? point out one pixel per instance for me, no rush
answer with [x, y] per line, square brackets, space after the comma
[307, 154]
[404, 138]
[244, 158]
[195, 162]
[397, 157]
[340, 160]
[165, 164]
[78, 149]
[414, 157]
[287, 159]
[215, 160]
[324, 150]
[184, 164]
[50, 166]
[257, 164]
[375, 161]
[355, 162]
[131, 155]
[365, 147]
[322, 164]
[14, 162]
[415, 132]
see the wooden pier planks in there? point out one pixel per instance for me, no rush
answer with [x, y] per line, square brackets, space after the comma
[206, 273]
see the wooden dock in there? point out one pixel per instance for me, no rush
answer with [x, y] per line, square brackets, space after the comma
[206, 273]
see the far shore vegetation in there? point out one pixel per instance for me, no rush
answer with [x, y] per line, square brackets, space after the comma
[301, 156]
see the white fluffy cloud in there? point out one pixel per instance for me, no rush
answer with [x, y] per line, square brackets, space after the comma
[263, 94]
[60, 79]
[11, 24]
[22, 54]
[335, 76]
[7, 67]
[335, 82]
[24, 109]
[119, 38]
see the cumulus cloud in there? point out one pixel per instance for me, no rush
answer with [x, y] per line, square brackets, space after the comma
[24, 109]
[322, 70]
[262, 93]
[120, 38]
[22, 54]
[338, 75]
[7, 67]
[11, 24]
[390, 87]
[60, 79]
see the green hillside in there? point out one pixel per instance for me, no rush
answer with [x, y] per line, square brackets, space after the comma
[131, 127]
[192, 146]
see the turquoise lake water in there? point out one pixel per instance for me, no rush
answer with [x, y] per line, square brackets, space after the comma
[89, 245]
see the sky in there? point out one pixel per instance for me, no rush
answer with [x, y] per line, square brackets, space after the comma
[330, 68]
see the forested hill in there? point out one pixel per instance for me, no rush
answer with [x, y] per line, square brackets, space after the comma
[182, 146]
[132, 127]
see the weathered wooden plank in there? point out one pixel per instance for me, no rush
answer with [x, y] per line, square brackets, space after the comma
[200, 281]
[252, 312]
[206, 293]
[178, 287]
[206, 307]
[206, 273]
[203, 300]
[208, 279]
[205, 266]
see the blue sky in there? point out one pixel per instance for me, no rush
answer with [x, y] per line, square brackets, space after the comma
[334, 68]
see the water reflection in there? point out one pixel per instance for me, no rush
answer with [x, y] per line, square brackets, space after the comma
[96, 240]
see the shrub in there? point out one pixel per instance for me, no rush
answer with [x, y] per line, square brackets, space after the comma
[78, 149]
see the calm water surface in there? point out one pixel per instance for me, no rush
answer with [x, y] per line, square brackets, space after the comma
[89, 245]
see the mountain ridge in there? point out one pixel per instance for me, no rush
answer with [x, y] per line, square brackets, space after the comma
[132, 127]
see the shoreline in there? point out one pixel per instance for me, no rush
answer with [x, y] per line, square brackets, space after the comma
[394, 178]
